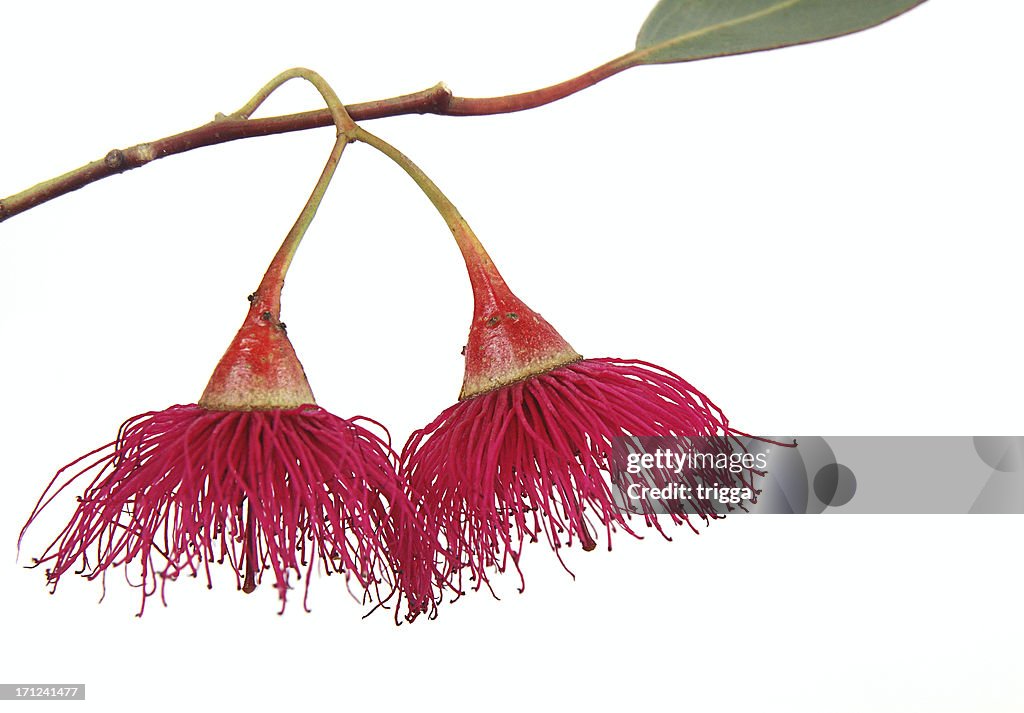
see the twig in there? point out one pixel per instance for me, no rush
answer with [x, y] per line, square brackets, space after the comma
[435, 100]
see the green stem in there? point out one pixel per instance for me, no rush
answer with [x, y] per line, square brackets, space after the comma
[273, 281]
[473, 251]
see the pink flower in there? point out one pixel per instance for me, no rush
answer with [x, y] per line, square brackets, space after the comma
[256, 476]
[527, 451]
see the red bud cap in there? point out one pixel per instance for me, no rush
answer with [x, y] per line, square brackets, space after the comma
[259, 370]
[508, 341]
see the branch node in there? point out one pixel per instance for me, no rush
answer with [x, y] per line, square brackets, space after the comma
[442, 99]
[115, 160]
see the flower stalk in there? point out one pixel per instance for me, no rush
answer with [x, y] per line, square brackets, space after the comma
[260, 369]
[510, 342]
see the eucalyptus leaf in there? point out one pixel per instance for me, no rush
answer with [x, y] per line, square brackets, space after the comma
[685, 30]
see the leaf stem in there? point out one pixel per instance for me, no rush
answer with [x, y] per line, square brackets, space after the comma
[469, 106]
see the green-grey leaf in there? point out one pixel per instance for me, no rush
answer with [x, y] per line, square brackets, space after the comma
[684, 30]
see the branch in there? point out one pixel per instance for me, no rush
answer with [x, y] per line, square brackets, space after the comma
[436, 100]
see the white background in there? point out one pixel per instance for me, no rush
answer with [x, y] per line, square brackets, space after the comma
[824, 239]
